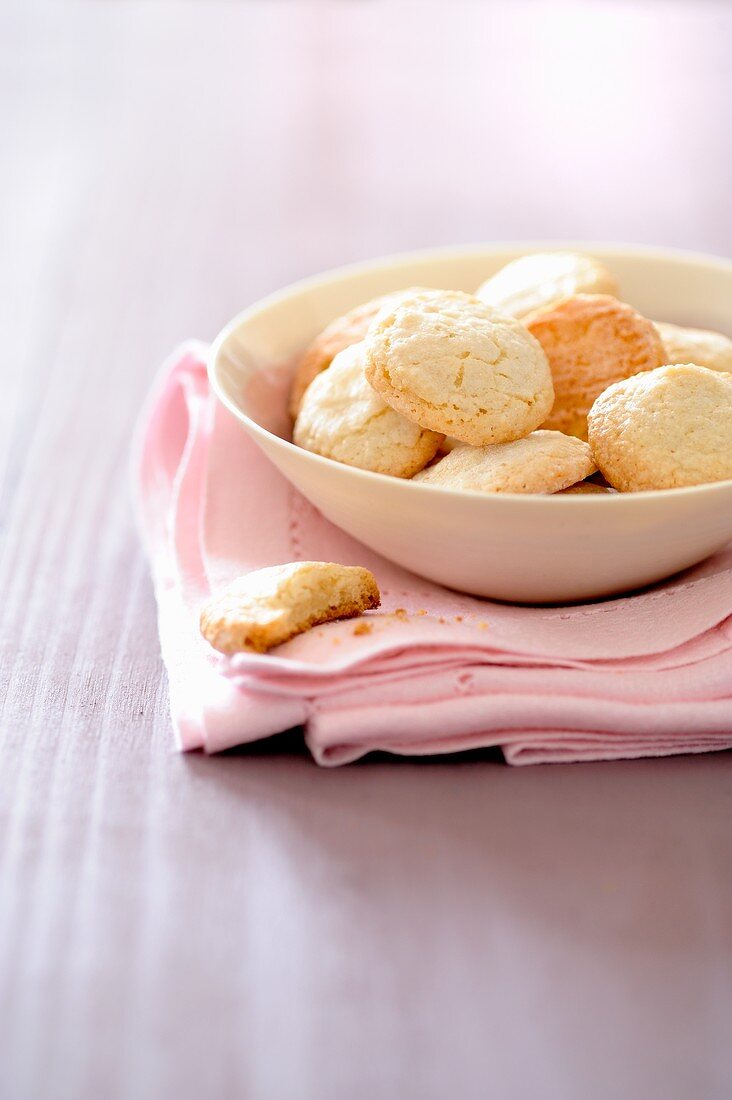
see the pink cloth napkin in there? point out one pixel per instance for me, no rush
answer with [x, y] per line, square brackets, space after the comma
[645, 675]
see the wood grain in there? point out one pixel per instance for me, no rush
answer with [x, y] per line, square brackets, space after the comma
[249, 925]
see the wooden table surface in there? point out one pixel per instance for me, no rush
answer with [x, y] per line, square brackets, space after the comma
[249, 925]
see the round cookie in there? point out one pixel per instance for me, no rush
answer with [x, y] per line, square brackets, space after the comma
[343, 418]
[591, 341]
[269, 606]
[664, 429]
[695, 345]
[543, 279]
[338, 335]
[543, 462]
[451, 363]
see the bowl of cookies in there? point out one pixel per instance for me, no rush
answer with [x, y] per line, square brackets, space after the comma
[534, 424]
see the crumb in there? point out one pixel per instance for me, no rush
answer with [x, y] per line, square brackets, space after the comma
[422, 612]
[458, 618]
[482, 626]
[363, 628]
[441, 620]
[401, 613]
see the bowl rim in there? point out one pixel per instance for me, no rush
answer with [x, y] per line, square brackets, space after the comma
[455, 252]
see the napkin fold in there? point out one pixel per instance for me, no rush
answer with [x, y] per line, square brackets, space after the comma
[648, 674]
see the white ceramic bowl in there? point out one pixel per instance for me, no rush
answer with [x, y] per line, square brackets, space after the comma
[531, 549]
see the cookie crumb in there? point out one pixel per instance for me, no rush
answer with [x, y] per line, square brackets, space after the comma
[422, 612]
[401, 613]
[482, 625]
[363, 628]
[458, 618]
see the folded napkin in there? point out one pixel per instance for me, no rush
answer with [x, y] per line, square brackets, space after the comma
[645, 675]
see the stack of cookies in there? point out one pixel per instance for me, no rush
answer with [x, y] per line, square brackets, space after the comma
[543, 381]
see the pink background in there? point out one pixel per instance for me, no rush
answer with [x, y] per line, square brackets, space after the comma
[250, 925]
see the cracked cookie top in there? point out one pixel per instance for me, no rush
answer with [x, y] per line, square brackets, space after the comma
[543, 462]
[458, 366]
